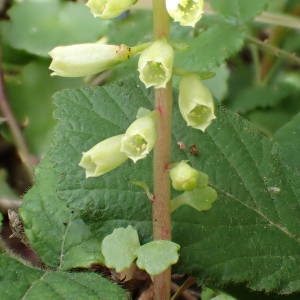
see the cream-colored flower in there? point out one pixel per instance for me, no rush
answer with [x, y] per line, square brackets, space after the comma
[103, 157]
[139, 138]
[156, 64]
[196, 103]
[108, 9]
[86, 59]
[186, 12]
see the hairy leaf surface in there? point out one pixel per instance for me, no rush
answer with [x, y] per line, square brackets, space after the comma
[289, 139]
[250, 235]
[239, 10]
[18, 281]
[58, 235]
[209, 49]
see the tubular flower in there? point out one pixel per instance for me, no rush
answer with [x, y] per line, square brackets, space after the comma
[108, 9]
[186, 12]
[195, 102]
[139, 138]
[184, 177]
[86, 59]
[103, 157]
[156, 64]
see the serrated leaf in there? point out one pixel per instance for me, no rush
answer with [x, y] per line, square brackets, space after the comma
[39, 26]
[116, 208]
[239, 10]
[55, 232]
[18, 281]
[288, 138]
[257, 210]
[119, 248]
[209, 50]
[156, 256]
[252, 232]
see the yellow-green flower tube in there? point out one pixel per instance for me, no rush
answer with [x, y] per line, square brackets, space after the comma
[108, 9]
[86, 59]
[156, 64]
[103, 157]
[195, 102]
[186, 12]
[139, 138]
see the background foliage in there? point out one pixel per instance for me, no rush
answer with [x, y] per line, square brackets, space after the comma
[251, 235]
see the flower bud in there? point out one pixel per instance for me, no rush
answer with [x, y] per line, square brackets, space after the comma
[195, 102]
[103, 157]
[156, 64]
[186, 12]
[139, 138]
[86, 59]
[184, 177]
[108, 9]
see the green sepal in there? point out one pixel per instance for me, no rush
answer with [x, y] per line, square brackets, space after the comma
[157, 256]
[119, 248]
[200, 199]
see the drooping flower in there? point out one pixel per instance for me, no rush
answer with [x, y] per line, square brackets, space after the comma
[139, 138]
[186, 12]
[108, 9]
[196, 103]
[156, 63]
[103, 157]
[86, 59]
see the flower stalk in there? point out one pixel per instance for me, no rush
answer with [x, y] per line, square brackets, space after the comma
[161, 209]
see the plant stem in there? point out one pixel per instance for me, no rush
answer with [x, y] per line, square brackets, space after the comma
[279, 20]
[274, 50]
[161, 216]
[14, 128]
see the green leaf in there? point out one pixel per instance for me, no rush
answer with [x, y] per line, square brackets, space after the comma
[218, 84]
[30, 98]
[209, 50]
[238, 239]
[250, 235]
[258, 97]
[18, 281]
[155, 257]
[288, 138]
[88, 116]
[239, 10]
[56, 233]
[38, 26]
[268, 121]
[134, 28]
[200, 199]
[119, 248]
